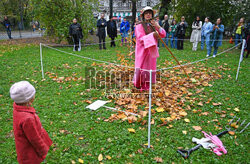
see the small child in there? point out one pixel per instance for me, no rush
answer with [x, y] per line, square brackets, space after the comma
[32, 141]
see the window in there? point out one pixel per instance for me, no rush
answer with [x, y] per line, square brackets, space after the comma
[138, 4]
[148, 3]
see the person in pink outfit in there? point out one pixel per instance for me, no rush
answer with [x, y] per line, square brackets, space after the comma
[146, 52]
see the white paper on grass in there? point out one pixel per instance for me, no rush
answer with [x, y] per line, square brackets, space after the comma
[97, 104]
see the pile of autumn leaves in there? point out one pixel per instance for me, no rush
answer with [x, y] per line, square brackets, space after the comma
[172, 95]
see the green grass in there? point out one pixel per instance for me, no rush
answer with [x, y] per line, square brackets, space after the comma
[61, 106]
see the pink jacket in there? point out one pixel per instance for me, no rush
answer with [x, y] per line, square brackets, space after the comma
[146, 55]
[32, 141]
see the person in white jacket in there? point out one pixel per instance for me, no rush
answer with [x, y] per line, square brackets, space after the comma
[196, 33]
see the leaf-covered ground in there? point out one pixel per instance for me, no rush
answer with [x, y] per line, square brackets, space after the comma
[181, 106]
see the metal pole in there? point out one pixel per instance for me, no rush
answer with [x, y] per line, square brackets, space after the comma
[21, 13]
[149, 109]
[41, 57]
[241, 57]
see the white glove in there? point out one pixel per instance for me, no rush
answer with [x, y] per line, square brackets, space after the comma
[205, 142]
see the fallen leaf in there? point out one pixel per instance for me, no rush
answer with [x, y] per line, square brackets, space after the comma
[234, 125]
[73, 162]
[139, 151]
[170, 126]
[167, 92]
[159, 110]
[197, 128]
[143, 113]
[152, 122]
[146, 144]
[131, 130]
[216, 104]
[100, 157]
[193, 80]
[61, 78]
[217, 112]
[158, 159]
[200, 104]
[186, 120]
[231, 133]
[194, 111]
[205, 113]
[183, 114]
[236, 110]
[108, 157]
[223, 115]
[132, 119]
[80, 138]
[184, 132]
[80, 160]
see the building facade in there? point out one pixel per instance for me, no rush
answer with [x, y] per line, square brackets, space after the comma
[121, 9]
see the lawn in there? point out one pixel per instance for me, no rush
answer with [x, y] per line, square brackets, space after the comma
[79, 133]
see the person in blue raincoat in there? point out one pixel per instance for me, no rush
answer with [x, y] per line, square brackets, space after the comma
[206, 30]
[124, 28]
[217, 36]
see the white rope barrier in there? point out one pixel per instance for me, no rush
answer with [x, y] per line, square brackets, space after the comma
[197, 61]
[120, 110]
[223, 40]
[88, 44]
[84, 57]
[97, 43]
[133, 67]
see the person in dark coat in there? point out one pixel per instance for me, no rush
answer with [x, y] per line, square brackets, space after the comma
[165, 25]
[112, 30]
[75, 31]
[6, 24]
[101, 25]
[181, 30]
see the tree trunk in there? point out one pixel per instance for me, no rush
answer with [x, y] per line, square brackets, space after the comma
[164, 8]
[111, 7]
[133, 10]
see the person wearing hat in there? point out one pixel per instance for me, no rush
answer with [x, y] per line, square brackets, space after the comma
[31, 139]
[146, 52]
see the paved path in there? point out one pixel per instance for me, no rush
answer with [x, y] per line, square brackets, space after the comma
[16, 34]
